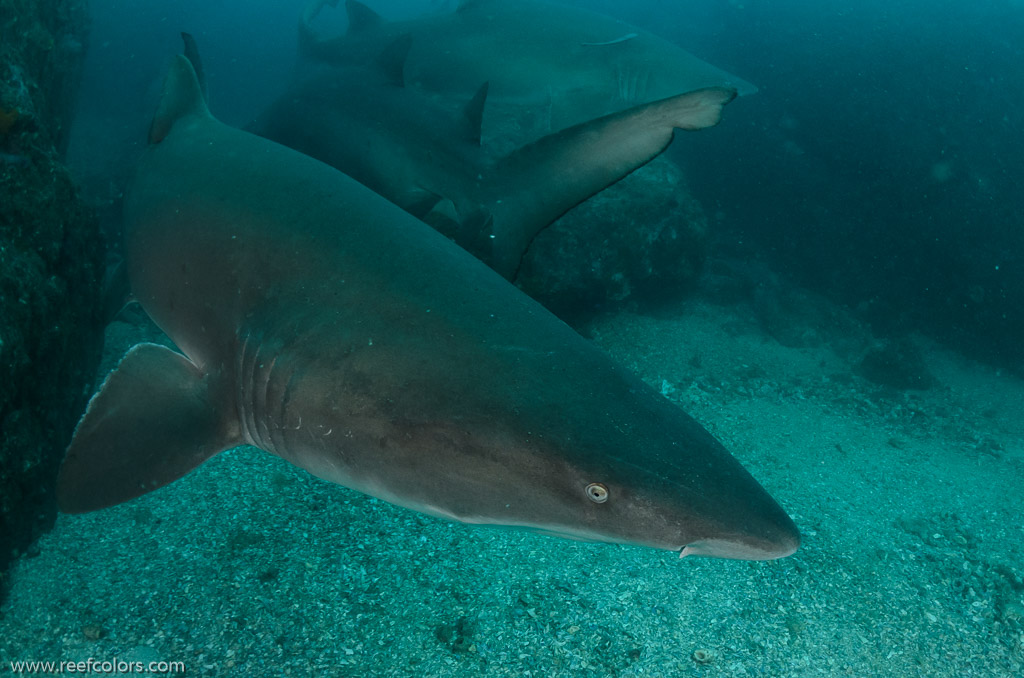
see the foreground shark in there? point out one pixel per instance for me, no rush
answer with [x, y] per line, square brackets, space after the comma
[573, 64]
[323, 324]
[397, 141]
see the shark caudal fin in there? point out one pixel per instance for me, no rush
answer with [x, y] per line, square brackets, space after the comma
[534, 185]
[182, 96]
[151, 423]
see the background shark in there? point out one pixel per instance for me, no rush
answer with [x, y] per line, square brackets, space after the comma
[323, 324]
[399, 142]
[569, 63]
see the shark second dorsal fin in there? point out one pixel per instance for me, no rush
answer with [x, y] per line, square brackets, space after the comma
[473, 115]
[181, 96]
[392, 60]
[361, 18]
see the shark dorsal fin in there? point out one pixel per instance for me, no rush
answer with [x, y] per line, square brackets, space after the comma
[181, 96]
[473, 114]
[192, 54]
[361, 18]
[392, 60]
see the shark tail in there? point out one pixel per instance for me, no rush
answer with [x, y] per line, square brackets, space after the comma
[182, 96]
[536, 184]
[151, 423]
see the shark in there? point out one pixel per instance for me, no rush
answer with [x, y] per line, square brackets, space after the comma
[321, 323]
[397, 141]
[568, 64]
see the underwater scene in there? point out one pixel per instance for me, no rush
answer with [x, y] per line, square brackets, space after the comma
[445, 338]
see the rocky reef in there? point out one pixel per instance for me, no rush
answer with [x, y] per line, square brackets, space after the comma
[50, 264]
[637, 243]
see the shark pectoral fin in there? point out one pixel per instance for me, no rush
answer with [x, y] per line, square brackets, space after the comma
[698, 109]
[150, 423]
[541, 181]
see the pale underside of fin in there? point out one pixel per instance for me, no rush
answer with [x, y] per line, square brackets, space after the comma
[151, 423]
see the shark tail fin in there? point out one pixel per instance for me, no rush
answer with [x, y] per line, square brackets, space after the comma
[473, 115]
[361, 18]
[181, 96]
[150, 423]
[545, 179]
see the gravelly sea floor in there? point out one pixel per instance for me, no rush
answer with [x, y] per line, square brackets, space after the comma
[909, 502]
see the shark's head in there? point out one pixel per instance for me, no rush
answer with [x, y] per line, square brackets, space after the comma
[660, 481]
[690, 497]
[655, 501]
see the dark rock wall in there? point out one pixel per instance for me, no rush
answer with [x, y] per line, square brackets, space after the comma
[50, 264]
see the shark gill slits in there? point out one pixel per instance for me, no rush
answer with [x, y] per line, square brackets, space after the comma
[597, 493]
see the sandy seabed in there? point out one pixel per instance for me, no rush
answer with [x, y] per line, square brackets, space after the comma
[910, 504]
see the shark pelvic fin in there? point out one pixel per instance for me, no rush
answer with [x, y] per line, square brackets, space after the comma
[150, 423]
[182, 96]
[361, 18]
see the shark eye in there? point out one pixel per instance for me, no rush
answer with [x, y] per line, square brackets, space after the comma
[597, 493]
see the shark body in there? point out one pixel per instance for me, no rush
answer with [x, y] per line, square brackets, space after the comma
[321, 323]
[570, 63]
[399, 142]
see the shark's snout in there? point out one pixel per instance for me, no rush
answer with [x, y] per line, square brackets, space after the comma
[768, 536]
[763, 549]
